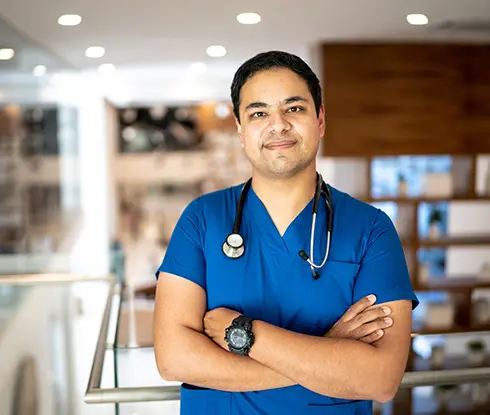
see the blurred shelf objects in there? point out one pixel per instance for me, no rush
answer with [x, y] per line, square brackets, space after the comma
[440, 205]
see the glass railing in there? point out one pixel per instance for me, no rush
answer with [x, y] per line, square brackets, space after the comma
[49, 324]
[125, 349]
[132, 368]
[10, 298]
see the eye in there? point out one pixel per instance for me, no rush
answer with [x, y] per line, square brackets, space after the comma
[295, 109]
[258, 114]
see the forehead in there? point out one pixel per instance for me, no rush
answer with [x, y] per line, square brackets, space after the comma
[274, 85]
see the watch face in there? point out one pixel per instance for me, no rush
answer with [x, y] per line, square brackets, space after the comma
[238, 338]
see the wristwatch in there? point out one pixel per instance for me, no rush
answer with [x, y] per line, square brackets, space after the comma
[239, 336]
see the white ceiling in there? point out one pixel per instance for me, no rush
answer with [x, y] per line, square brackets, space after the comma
[165, 31]
[172, 34]
[28, 52]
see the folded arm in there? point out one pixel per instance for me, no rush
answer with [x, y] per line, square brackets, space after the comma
[184, 353]
[338, 367]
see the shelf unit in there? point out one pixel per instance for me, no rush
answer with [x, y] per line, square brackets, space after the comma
[460, 402]
[414, 242]
[460, 287]
[387, 99]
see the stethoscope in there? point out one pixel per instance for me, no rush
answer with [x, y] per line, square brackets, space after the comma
[234, 246]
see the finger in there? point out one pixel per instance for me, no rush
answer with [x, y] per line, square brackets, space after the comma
[371, 315]
[358, 307]
[375, 306]
[369, 328]
[371, 338]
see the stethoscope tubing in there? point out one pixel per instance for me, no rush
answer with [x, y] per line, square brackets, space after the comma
[234, 245]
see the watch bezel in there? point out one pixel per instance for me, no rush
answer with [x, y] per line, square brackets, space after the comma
[244, 324]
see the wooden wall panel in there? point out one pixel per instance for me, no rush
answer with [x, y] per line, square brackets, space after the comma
[209, 121]
[476, 106]
[403, 99]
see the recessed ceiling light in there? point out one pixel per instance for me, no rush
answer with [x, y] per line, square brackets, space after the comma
[197, 67]
[95, 52]
[417, 19]
[39, 70]
[6, 54]
[107, 68]
[248, 18]
[69, 20]
[216, 51]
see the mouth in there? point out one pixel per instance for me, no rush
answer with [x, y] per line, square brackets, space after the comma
[280, 145]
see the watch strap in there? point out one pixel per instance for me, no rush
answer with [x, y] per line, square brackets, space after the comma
[243, 322]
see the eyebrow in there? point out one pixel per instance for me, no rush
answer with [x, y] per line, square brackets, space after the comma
[290, 100]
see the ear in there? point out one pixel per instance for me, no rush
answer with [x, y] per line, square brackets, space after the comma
[321, 122]
[239, 131]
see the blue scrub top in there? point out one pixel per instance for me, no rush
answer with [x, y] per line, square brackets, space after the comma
[272, 283]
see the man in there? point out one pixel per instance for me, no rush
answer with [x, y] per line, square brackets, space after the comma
[257, 329]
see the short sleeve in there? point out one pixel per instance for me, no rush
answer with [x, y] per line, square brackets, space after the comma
[384, 270]
[185, 254]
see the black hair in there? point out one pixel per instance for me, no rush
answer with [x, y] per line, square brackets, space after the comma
[275, 60]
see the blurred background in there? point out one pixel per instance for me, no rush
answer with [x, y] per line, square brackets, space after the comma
[115, 115]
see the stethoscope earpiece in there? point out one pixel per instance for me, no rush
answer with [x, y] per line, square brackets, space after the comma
[314, 272]
[303, 255]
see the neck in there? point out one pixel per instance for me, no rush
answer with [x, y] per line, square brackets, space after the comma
[286, 194]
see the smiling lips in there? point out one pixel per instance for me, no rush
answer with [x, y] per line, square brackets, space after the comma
[280, 145]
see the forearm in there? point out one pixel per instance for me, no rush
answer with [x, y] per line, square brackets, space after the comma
[191, 357]
[333, 367]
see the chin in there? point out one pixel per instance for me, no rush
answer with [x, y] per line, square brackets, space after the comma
[280, 168]
[283, 173]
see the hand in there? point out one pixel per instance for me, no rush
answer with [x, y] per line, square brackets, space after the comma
[216, 322]
[362, 322]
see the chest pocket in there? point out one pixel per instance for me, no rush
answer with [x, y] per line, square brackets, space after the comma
[337, 279]
[315, 305]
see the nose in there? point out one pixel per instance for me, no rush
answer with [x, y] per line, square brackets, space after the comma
[278, 124]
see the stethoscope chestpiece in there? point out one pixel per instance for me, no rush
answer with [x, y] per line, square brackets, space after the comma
[233, 247]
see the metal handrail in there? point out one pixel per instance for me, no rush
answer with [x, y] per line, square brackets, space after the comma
[134, 394]
[95, 378]
[51, 278]
[95, 394]
[170, 393]
[445, 377]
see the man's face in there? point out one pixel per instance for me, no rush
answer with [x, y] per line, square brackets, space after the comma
[279, 129]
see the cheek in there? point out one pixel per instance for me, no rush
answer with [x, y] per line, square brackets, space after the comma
[309, 132]
[251, 140]
[304, 128]
[250, 148]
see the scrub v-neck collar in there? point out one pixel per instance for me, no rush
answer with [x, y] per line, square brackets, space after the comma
[295, 234]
